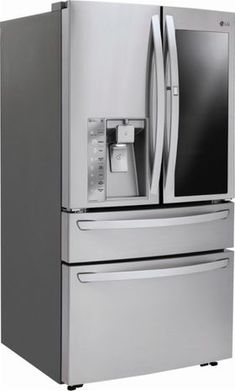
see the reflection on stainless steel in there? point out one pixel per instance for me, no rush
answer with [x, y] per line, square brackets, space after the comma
[173, 87]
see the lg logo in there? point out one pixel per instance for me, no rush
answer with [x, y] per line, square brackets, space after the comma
[224, 24]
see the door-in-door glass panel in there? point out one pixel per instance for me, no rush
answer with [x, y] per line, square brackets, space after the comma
[201, 165]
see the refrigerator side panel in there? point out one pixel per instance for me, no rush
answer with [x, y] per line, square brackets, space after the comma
[31, 189]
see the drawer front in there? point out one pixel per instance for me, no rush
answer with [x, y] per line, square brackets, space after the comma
[132, 318]
[146, 233]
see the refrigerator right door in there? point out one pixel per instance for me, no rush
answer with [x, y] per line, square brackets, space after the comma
[199, 81]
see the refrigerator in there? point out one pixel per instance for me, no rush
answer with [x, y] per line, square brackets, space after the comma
[117, 128]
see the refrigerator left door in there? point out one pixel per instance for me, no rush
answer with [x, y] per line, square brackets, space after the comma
[107, 54]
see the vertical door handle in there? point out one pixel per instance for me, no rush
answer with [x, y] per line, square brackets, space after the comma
[160, 117]
[174, 114]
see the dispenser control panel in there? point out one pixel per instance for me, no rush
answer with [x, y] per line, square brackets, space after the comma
[96, 159]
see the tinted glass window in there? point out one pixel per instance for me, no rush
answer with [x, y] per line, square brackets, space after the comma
[201, 165]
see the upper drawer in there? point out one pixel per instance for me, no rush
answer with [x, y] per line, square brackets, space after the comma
[104, 236]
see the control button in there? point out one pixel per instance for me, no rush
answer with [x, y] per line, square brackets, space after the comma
[96, 159]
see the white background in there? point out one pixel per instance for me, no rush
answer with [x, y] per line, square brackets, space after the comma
[17, 374]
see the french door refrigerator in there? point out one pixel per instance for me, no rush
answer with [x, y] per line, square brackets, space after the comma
[117, 180]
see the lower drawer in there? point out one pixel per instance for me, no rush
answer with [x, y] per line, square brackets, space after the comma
[131, 318]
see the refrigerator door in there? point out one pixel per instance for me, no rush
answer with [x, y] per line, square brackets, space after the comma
[133, 318]
[199, 66]
[107, 54]
[105, 236]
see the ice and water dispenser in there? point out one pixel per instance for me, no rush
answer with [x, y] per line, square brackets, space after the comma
[117, 158]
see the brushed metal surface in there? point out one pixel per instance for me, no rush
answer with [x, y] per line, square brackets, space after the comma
[158, 130]
[153, 273]
[131, 327]
[146, 233]
[106, 71]
[174, 104]
[152, 223]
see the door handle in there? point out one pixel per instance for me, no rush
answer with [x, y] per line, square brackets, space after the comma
[160, 117]
[174, 114]
[153, 273]
[88, 225]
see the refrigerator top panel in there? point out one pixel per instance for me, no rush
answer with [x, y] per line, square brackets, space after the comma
[199, 132]
[106, 51]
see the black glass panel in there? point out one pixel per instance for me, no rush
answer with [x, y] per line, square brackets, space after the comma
[201, 164]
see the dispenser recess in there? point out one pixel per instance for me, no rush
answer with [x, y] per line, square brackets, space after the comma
[117, 159]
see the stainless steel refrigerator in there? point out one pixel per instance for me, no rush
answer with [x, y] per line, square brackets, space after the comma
[117, 181]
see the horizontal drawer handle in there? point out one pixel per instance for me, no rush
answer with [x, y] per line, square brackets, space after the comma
[86, 225]
[152, 273]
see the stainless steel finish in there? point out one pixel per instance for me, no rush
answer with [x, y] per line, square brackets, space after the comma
[123, 182]
[146, 233]
[152, 107]
[134, 290]
[155, 311]
[174, 102]
[160, 101]
[125, 134]
[65, 108]
[152, 223]
[118, 158]
[127, 162]
[112, 123]
[110, 83]
[204, 20]
[153, 273]
[145, 325]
